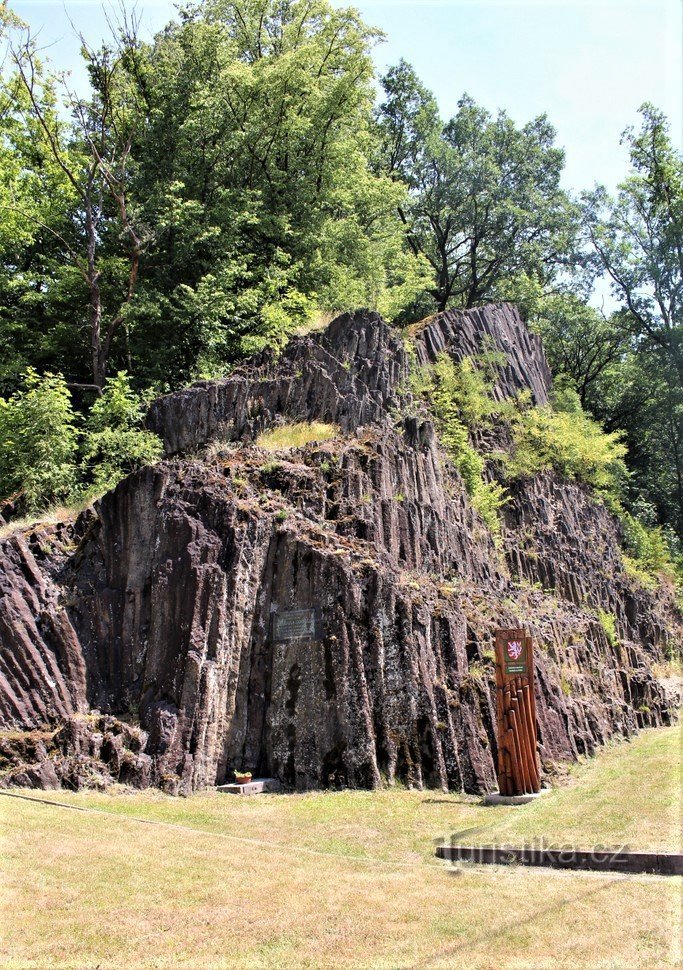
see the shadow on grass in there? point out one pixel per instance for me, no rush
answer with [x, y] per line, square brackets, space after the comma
[497, 931]
[451, 801]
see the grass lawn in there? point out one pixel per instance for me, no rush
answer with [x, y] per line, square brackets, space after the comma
[342, 879]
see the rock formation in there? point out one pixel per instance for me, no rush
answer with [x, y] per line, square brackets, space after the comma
[137, 642]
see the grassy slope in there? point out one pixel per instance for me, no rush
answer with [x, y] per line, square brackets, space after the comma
[82, 889]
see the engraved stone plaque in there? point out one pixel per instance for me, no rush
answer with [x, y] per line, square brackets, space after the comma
[296, 625]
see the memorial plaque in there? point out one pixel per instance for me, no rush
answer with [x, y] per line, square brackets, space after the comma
[296, 625]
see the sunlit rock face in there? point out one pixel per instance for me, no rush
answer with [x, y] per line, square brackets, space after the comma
[138, 642]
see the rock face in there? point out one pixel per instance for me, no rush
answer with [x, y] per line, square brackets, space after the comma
[140, 640]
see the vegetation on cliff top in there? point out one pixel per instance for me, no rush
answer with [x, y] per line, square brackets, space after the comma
[218, 188]
[557, 437]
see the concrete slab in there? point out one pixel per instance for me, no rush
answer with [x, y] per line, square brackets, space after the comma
[599, 860]
[256, 786]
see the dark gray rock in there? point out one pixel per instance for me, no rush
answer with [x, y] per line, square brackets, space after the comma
[41, 775]
[155, 609]
[465, 333]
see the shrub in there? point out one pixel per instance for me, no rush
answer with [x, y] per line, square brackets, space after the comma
[609, 625]
[468, 388]
[115, 441]
[569, 442]
[38, 443]
[646, 544]
[650, 552]
[633, 569]
[420, 381]
[460, 394]
[296, 435]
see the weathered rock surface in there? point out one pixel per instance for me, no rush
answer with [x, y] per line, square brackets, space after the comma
[154, 609]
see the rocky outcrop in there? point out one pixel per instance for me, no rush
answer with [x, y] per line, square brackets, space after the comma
[154, 610]
[349, 375]
[466, 333]
[86, 751]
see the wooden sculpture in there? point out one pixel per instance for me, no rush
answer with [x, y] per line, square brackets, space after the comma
[518, 770]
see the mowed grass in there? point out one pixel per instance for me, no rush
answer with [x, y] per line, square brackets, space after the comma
[342, 879]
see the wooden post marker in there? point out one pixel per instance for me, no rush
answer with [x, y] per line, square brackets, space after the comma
[518, 770]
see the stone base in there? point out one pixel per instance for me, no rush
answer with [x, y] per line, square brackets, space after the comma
[495, 798]
[256, 787]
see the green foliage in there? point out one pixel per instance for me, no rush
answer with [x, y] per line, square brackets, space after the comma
[115, 442]
[239, 195]
[256, 175]
[40, 460]
[420, 381]
[459, 394]
[565, 685]
[636, 572]
[647, 545]
[635, 241]
[624, 384]
[636, 237]
[609, 625]
[580, 344]
[652, 553]
[38, 444]
[484, 201]
[569, 442]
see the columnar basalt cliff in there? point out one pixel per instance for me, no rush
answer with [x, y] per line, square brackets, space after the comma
[137, 642]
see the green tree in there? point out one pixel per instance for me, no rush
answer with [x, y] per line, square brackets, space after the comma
[637, 237]
[35, 200]
[637, 241]
[255, 170]
[38, 444]
[209, 195]
[580, 343]
[115, 442]
[484, 202]
[86, 264]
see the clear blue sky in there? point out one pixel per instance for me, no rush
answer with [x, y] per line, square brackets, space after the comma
[588, 64]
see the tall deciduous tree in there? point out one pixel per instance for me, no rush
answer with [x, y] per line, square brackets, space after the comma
[637, 237]
[637, 241]
[255, 171]
[95, 236]
[208, 196]
[484, 201]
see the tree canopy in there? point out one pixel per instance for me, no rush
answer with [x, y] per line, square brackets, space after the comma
[245, 174]
[484, 202]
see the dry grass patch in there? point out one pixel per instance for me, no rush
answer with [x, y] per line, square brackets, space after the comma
[342, 878]
[318, 322]
[52, 516]
[296, 435]
[85, 890]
